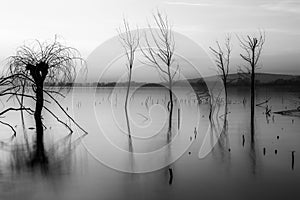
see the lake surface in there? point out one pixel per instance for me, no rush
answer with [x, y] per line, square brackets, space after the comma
[99, 165]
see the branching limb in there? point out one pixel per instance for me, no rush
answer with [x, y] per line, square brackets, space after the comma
[66, 125]
[12, 128]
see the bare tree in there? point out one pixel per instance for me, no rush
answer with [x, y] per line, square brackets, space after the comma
[34, 65]
[130, 42]
[252, 47]
[161, 54]
[222, 60]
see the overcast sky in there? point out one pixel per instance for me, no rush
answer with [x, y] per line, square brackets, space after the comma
[86, 24]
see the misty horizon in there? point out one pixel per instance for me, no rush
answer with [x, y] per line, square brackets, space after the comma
[150, 100]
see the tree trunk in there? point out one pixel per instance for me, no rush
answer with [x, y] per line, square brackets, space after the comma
[171, 109]
[252, 100]
[126, 102]
[171, 106]
[39, 151]
[226, 96]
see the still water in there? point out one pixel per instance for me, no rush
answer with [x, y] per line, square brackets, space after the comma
[98, 165]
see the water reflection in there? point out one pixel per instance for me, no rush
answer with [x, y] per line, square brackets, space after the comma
[253, 157]
[131, 154]
[236, 161]
[169, 169]
[219, 131]
[54, 160]
[293, 159]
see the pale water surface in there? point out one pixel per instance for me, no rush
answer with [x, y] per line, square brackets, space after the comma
[232, 170]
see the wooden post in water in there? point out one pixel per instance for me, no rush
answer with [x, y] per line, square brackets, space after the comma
[293, 159]
[171, 176]
[243, 139]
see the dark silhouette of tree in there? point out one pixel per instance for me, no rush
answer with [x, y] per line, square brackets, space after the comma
[252, 47]
[30, 68]
[222, 60]
[130, 42]
[161, 54]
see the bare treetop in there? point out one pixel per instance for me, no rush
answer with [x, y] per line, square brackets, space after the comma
[50, 62]
[222, 57]
[252, 47]
[161, 53]
[130, 41]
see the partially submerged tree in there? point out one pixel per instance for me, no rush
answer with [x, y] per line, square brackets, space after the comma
[252, 47]
[160, 54]
[31, 67]
[222, 60]
[130, 41]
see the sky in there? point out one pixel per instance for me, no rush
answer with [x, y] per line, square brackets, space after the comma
[87, 24]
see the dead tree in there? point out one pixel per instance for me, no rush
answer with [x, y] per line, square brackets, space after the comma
[160, 54]
[252, 47]
[31, 67]
[222, 60]
[130, 42]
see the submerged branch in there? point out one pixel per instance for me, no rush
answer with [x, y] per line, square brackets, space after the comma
[65, 112]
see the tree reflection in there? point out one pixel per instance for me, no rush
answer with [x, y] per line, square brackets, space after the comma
[252, 156]
[56, 159]
[219, 131]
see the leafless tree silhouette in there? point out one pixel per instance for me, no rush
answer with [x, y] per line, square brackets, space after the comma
[222, 60]
[252, 47]
[30, 68]
[130, 42]
[161, 54]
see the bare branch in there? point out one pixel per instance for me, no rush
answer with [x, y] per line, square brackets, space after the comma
[252, 47]
[222, 58]
[12, 128]
[57, 103]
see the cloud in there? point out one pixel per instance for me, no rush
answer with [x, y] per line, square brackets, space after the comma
[283, 6]
[205, 5]
[189, 4]
[291, 6]
[283, 31]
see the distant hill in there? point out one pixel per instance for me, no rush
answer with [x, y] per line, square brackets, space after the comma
[234, 79]
[261, 79]
[265, 78]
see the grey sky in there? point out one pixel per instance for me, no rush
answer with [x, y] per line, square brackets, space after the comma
[86, 24]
